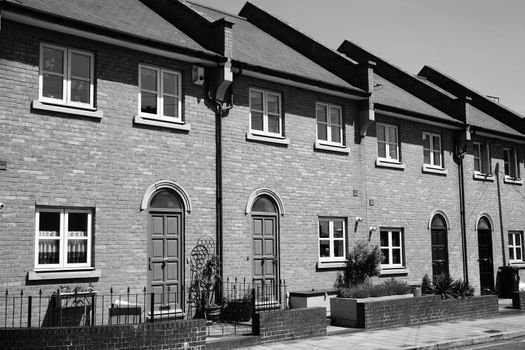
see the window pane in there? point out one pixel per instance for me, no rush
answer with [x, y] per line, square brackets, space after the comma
[518, 239]
[511, 253]
[80, 90]
[148, 79]
[321, 113]
[324, 231]
[148, 102]
[77, 251]
[338, 229]
[336, 134]
[324, 248]
[53, 60]
[396, 256]
[273, 124]
[339, 248]
[384, 257]
[426, 157]
[48, 251]
[392, 134]
[53, 86]
[165, 199]
[273, 104]
[77, 225]
[393, 152]
[437, 158]
[381, 133]
[256, 99]
[381, 150]
[80, 66]
[170, 84]
[396, 239]
[518, 253]
[322, 132]
[335, 116]
[264, 204]
[426, 141]
[437, 143]
[49, 225]
[170, 106]
[383, 239]
[257, 121]
[477, 166]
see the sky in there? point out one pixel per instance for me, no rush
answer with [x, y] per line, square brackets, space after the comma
[480, 43]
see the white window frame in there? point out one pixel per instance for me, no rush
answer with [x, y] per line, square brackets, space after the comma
[332, 239]
[432, 150]
[484, 158]
[387, 157]
[391, 248]
[328, 107]
[66, 77]
[513, 246]
[510, 157]
[63, 239]
[160, 95]
[265, 113]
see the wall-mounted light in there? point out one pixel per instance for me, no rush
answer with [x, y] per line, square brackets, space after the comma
[358, 219]
[372, 229]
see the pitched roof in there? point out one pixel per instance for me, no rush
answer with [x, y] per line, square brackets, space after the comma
[388, 93]
[255, 47]
[483, 120]
[129, 17]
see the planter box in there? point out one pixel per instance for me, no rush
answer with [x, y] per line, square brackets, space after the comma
[388, 312]
[313, 298]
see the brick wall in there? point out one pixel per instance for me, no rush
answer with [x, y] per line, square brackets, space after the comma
[173, 335]
[290, 324]
[426, 309]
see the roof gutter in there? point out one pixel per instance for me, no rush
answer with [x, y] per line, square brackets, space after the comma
[111, 37]
[298, 81]
[416, 117]
[495, 134]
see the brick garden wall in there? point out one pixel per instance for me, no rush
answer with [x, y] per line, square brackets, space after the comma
[189, 334]
[426, 309]
[518, 300]
[290, 324]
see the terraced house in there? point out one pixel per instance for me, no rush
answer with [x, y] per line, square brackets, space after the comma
[134, 131]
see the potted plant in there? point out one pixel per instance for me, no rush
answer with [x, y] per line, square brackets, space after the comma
[205, 285]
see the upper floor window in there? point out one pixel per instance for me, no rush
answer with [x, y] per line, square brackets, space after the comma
[432, 154]
[329, 123]
[516, 246]
[387, 142]
[391, 245]
[332, 238]
[66, 76]
[511, 161]
[160, 93]
[265, 112]
[482, 158]
[63, 238]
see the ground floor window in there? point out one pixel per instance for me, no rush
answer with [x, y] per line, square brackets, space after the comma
[516, 246]
[391, 244]
[332, 239]
[63, 238]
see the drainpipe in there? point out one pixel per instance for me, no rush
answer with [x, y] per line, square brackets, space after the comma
[496, 170]
[460, 156]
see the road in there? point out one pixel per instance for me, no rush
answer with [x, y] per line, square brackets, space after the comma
[515, 344]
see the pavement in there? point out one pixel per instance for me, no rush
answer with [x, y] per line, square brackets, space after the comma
[508, 325]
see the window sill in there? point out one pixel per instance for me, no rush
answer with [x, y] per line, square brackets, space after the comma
[484, 177]
[382, 163]
[268, 139]
[517, 264]
[331, 148]
[401, 271]
[62, 274]
[322, 265]
[161, 123]
[512, 180]
[84, 112]
[434, 170]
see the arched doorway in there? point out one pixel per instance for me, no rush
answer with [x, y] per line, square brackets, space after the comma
[438, 231]
[486, 265]
[165, 250]
[265, 231]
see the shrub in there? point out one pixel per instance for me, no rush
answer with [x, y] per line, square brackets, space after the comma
[395, 287]
[366, 290]
[362, 263]
[443, 285]
[462, 289]
[426, 285]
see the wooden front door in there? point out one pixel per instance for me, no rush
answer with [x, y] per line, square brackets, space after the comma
[486, 264]
[439, 246]
[265, 257]
[165, 254]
